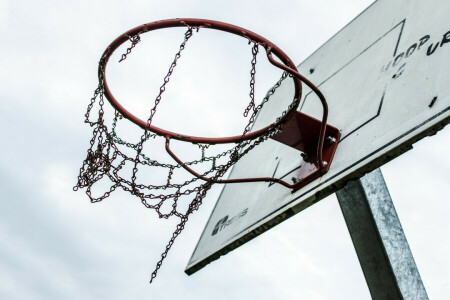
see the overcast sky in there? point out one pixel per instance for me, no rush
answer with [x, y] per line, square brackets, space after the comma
[55, 244]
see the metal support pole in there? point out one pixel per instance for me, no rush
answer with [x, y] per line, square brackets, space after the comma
[379, 241]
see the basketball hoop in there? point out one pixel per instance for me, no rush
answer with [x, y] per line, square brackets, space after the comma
[105, 158]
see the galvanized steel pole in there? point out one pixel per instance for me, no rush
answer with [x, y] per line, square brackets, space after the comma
[379, 240]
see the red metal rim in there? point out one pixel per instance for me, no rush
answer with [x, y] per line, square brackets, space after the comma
[200, 23]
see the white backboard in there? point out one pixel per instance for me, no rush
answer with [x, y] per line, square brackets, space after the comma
[386, 77]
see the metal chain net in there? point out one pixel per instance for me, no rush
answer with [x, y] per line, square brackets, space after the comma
[106, 158]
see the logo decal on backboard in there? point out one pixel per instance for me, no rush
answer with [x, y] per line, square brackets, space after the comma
[224, 222]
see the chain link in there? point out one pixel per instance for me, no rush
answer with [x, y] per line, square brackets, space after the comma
[134, 40]
[251, 105]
